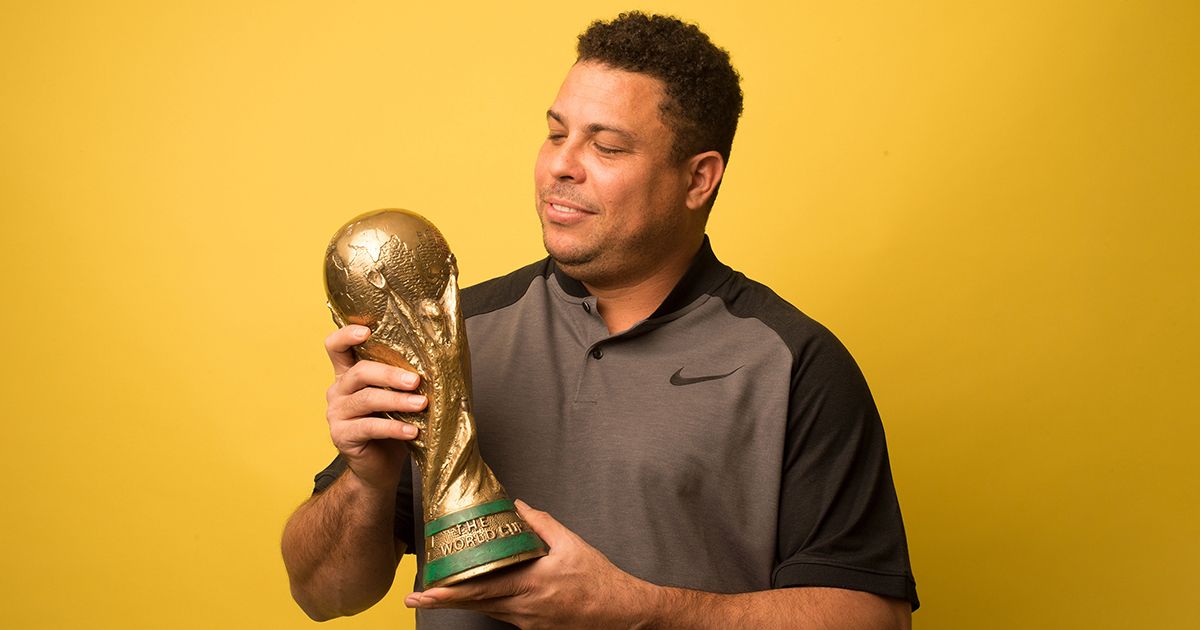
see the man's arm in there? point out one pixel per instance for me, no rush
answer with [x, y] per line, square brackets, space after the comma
[339, 547]
[575, 586]
[796, 607]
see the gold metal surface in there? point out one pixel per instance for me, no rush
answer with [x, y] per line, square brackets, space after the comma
[486, 568]
[473, 533]
[393, 272]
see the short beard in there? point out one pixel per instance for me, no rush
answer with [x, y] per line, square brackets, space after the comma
[567, 260]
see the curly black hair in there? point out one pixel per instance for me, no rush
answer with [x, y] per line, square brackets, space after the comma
[703, 92]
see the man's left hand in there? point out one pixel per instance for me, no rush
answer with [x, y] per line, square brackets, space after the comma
[573, 586]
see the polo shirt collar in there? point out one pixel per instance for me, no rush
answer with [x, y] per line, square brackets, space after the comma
[702, 276]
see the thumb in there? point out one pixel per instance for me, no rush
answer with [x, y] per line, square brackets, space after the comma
[545, 526]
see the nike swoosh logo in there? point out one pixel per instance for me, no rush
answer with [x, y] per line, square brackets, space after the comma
[678, 379]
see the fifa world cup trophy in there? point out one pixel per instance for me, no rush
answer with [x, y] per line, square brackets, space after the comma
[392, 271]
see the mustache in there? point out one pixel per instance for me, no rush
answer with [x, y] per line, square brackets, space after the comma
[565, 192]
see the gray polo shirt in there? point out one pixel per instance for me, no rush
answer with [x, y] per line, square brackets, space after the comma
[727, 443]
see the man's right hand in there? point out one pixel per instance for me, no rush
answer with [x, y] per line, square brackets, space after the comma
[361, 389]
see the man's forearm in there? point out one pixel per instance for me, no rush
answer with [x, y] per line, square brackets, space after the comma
[339, 549]
[801, 607]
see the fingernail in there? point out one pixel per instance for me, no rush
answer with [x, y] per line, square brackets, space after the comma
[361, 331]
[408, 431]
[416, 399]
[521, 504]
[408, 380]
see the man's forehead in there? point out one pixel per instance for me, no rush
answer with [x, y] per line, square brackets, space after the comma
[595, 94]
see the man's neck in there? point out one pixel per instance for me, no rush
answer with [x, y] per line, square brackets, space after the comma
[624, 304]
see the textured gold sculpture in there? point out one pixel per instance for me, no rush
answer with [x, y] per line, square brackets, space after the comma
[392, 271]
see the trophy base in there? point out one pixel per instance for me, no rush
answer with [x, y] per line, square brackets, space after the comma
[471, 542]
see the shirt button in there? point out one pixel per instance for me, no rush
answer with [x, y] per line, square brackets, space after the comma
[597, 353]
[587, 308]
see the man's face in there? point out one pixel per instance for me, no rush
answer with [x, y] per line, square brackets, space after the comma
[610, 199]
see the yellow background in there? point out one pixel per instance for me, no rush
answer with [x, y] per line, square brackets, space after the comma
[993, 204]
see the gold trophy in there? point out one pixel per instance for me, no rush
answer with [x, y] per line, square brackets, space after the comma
[392, 271]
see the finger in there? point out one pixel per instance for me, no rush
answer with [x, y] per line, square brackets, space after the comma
[375, 374]
[501, 608]
[509, 583]
[464, 594]
[431, 598]
[364, 430]
[545, 526]
[372, 400]
[339, 343]
[423, 599]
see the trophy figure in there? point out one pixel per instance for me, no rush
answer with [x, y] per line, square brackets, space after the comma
[392, 271]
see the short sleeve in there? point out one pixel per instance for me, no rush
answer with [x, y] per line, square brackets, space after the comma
[403, 523]
[839, 519]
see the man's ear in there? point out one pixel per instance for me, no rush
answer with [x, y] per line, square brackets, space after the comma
[705, 171]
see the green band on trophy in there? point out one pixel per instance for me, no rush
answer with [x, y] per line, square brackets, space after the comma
[483, 554]
[462, 516]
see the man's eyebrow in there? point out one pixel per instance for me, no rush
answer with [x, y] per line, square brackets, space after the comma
[593, 128]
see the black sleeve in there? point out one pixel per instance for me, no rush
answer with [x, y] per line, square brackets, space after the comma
[839, 520]
[403, 523]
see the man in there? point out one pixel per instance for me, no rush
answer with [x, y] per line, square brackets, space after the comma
[705, 454]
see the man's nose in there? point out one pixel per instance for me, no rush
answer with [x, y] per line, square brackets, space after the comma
[565, 164]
